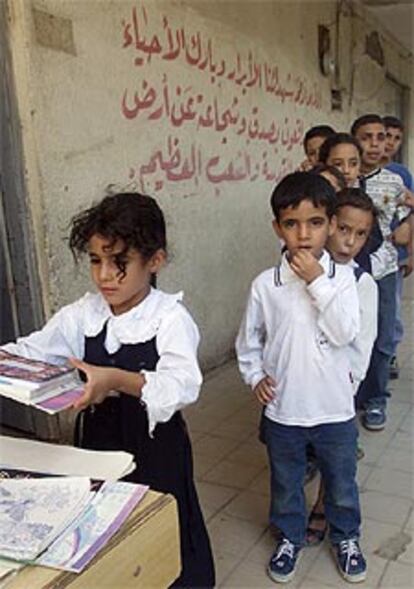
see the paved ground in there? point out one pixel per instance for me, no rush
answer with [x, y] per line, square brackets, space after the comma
[232, 478]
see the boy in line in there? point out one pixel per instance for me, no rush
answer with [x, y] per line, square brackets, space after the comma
[312, 142]
[387, 192]
[356, 214]
[394, 130]
[292, 350]
[394, 134]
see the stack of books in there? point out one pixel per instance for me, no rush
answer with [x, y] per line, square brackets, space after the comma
[59, 505]
[31, 382]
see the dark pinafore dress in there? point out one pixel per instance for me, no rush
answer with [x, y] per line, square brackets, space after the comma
[164, 462]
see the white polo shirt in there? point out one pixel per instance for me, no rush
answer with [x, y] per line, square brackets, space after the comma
[299, 334]
[361, 347]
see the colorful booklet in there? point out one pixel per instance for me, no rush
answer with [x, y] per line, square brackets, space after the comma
[37, 383]
[33, 512]
[102, 518]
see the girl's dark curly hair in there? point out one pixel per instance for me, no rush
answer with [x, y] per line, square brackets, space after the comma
[133, 218]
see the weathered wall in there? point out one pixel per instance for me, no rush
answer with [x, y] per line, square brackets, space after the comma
[200, 103]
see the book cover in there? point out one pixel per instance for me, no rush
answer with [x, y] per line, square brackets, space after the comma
[35, 371]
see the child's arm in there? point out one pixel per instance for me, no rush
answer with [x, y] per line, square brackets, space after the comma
[337, 304]
[101, 380]
[364, 341]
[59, 339]
[250, 341]
[177, 379]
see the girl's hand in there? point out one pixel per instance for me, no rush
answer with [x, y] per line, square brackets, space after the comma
[97, 386]
[265, 390]
[306, 266]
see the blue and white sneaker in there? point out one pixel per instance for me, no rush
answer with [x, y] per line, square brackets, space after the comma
[282, 565]
[350, 561]
[374, 418]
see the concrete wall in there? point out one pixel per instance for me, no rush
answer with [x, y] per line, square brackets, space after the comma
[202, 104]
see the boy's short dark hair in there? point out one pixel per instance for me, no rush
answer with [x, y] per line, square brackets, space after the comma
[337, 174]
[333, 141]
[300, 186]
[370, 119]
[357, 198]
[317, 131]
[393, 122]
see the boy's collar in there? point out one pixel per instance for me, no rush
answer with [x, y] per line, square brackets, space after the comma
[371, 174]
[283, 272]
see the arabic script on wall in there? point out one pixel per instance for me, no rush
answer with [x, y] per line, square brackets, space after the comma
[216, 114]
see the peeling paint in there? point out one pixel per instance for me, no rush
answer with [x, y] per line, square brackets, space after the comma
[54, 32]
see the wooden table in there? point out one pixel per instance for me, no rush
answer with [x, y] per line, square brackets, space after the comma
[144, 553]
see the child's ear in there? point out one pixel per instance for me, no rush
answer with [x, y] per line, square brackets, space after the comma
[276, 228]
[333, 224]
[157, 261]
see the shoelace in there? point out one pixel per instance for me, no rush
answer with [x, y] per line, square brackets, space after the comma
[350, 548]
[285, 548]
[376, 411]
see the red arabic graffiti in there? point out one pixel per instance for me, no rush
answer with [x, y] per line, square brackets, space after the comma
[174, 165]
[198, 52]
[185, 105]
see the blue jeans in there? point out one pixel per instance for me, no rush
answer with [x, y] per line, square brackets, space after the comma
[335, 449]
[399, 327]
[373, 389]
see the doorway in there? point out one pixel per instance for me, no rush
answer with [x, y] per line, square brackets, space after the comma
[20, 289]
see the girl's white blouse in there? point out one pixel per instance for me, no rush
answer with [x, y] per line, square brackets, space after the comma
[176, 380]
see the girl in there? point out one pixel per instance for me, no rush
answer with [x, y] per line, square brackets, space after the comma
[342, 151]
[135, 347]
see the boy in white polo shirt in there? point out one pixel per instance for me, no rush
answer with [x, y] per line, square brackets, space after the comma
[292, 349]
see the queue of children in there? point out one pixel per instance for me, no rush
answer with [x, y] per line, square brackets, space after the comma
[304, 345]
[360, 156]
[288, 348]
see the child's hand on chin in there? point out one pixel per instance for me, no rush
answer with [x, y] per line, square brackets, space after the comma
[306, 266]
[97, 384]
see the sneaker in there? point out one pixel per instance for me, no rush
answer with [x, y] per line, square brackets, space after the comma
[394, 370]
[374, 418]
[350, 561]
[281, 568]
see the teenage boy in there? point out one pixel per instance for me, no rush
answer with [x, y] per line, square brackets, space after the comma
[394, 134]
[292, 350]
[394, 130]
[312, 142]
[387, 192]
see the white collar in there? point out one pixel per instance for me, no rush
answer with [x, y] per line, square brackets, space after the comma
[285, 274]
[139, 324]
